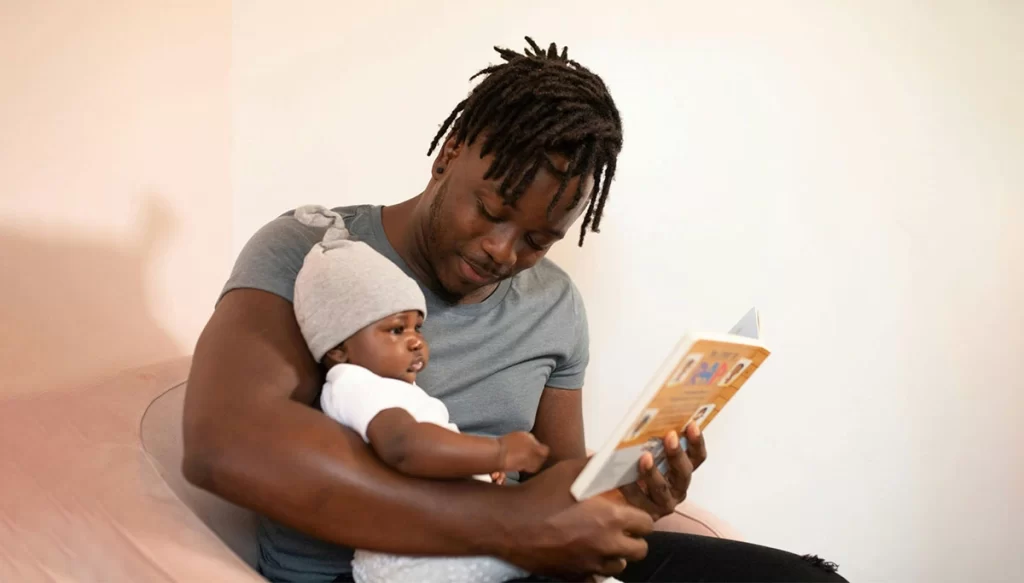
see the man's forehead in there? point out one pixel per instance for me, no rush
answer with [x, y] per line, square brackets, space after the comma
[535, 203]
[543, 187]
[556, 163]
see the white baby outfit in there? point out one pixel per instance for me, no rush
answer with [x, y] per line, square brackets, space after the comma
[353, 396]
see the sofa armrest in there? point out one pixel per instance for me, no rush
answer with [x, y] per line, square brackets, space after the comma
[689, 518]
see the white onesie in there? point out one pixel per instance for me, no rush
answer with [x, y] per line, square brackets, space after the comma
[353, 396]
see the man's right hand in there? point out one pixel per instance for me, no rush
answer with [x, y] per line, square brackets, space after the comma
[559, 536]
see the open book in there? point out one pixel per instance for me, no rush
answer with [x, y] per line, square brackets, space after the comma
[693, 385]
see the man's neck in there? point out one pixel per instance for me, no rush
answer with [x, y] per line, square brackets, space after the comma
[408, 240]
[408, 236]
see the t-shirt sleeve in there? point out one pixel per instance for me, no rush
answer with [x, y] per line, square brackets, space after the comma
[362, 396]
[570, 370]
[271, 259]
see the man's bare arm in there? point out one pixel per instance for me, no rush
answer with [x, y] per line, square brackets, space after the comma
[559, 423]
[252, 438]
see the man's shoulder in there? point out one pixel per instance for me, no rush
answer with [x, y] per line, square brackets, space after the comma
[348, 211]
[547, 273]
[285, 231]
[351, 213]
[272, 257]
[548, 280]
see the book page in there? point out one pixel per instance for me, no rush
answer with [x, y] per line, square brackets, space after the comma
[749, 325]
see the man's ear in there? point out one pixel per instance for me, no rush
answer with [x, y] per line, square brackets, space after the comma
[447, 153]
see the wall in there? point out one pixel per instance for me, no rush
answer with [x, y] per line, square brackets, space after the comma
[115, 196]
[851, 168]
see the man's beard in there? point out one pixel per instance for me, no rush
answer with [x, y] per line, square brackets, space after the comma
[433, 241]
[434, 218]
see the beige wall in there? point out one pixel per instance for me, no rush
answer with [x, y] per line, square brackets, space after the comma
[115, 195]
[853, 168]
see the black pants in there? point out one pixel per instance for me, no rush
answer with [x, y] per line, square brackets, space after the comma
[674, 557]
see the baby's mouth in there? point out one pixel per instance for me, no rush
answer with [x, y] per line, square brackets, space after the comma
[417, 364]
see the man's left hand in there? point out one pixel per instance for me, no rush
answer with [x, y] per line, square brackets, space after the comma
[658, 494]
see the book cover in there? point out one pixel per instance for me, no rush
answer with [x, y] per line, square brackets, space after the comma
[693, 385]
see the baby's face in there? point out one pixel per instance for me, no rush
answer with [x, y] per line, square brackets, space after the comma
[392, 347]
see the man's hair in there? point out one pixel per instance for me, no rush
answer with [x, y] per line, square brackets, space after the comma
[537, 103]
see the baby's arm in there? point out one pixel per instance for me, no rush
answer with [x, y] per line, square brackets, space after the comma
[431, 451]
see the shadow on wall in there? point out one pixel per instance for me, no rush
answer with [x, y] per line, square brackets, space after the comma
[74, 307]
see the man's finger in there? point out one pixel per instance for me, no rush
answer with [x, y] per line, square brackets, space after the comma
[635, 495]
[633, 521]
[680, 468]
[655, 484]
[611, 567]
[633, 549]
[696, 450]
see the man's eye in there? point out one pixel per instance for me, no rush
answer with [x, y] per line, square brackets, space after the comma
[485, 214]
[533, 244]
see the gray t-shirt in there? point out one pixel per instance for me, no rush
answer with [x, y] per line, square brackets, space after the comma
[489, 362]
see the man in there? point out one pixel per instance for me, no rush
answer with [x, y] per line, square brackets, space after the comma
[531, 150]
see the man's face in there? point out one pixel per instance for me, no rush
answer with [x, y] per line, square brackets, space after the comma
[392, 347]
[474, 239]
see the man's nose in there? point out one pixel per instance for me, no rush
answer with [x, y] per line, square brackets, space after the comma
[500, 245]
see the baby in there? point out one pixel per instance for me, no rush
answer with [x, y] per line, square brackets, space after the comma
[361, 317]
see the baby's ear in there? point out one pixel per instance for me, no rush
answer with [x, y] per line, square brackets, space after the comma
[336, 355]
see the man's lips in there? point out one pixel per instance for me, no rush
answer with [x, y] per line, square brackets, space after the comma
[477, 274]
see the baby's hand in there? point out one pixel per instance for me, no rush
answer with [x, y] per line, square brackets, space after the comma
[521, 452]
[499, 478]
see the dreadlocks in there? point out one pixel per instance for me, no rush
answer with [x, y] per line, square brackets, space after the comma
[537, 103]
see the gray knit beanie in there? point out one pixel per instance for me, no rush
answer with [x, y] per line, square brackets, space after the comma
[344, 285]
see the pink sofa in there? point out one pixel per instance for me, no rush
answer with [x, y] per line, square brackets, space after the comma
[91, 490]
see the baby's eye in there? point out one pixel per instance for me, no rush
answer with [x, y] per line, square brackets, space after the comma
[419, 328]
[398, 330]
